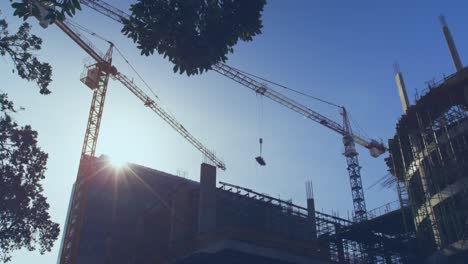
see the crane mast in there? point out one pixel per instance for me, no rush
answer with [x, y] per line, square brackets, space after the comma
[101, 72]
[354, 170]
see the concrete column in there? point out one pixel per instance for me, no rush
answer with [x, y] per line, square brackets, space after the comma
[339, 244]
[465, 91]
[207, 199]
[180, 208]
[451, 44]
[324, 247]
[402, 90]
[311, 218]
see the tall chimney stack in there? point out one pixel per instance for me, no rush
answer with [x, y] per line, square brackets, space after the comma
[451, 44]
[401, 88]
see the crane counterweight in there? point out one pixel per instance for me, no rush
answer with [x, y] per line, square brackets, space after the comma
[90, 77]
[376, 148]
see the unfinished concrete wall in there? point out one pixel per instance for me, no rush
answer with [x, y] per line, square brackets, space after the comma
[311, 218]
[207, 199]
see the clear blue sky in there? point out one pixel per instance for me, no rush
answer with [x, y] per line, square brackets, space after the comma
[342, 51]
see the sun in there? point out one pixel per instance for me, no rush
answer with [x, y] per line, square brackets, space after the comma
[118, 162]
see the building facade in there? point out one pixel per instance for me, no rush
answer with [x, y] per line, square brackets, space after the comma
[135, 214]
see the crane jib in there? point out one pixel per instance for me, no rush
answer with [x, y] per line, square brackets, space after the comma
[169, 119]
[105, 66]
[118, 15]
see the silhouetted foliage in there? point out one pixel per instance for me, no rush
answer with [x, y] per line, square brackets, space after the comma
[193, 34]
[58, 9]
[20, 47]
[24, 217]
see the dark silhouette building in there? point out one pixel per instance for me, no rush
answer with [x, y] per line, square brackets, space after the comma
[135, 214]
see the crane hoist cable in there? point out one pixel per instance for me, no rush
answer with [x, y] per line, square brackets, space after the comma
[260, 160]
[288, 88]
[352, 120]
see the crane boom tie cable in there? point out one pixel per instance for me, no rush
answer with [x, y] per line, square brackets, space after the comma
[287, 88]
[300, 93]
[94, 34]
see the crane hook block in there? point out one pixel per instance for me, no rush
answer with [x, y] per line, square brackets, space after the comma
[260, 161]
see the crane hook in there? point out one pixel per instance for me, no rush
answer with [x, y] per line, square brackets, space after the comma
[260, 159]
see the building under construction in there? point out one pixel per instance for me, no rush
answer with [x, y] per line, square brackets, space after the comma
[429, 159]
[134, 214]
[139, 215]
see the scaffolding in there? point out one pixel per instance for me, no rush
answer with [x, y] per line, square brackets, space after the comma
[429, 158]
[338, 240]
[366, 242]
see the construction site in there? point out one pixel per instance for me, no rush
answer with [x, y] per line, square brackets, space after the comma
[135, 214]
[428, 157]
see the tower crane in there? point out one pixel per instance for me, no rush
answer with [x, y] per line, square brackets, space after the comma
[97, 79]
[350, 139]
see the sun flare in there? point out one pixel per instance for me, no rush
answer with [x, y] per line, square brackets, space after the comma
[118, 162]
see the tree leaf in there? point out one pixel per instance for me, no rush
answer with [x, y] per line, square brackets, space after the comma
[193, 35]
